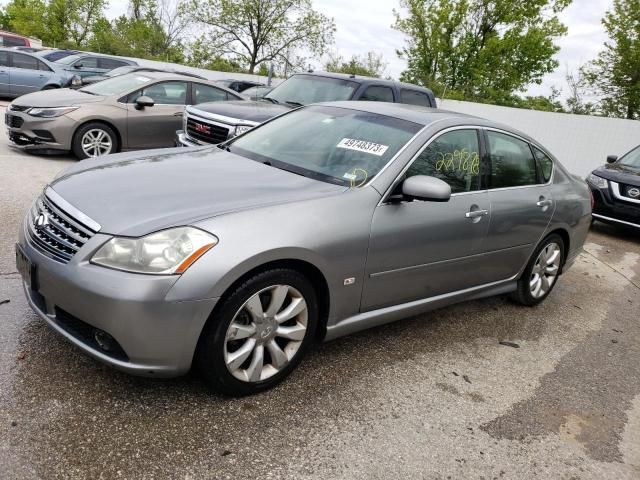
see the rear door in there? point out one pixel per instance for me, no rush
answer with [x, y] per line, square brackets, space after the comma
[27, 73]
[5, 89]
[155, 127]
[521, 203]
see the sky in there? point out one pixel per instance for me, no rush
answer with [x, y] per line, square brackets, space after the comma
[365, 25]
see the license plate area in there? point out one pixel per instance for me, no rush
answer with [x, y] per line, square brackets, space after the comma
[27, 270]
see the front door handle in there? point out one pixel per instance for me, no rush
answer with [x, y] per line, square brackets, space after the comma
[178, 114]
[476, 213]
[544, 203]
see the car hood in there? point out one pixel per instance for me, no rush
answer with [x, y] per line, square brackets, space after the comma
[135, 194]
[243, 109]
[619, 173]
[63, 97]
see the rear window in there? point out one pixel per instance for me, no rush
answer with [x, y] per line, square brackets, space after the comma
[110, 63]
[414, 97]
[8, 41]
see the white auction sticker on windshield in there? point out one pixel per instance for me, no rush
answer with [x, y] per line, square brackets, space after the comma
[363, 146]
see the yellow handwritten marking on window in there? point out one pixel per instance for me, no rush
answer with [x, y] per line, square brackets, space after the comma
[462, 161]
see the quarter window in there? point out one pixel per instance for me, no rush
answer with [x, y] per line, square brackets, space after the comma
[110, 64]
[453, 157]
[42, 66]
[512, 163]
[545, 164]
[24, 61]
[205, 93]
[413, 97]
[377, 93]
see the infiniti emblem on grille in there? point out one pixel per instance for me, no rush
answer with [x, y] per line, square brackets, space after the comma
[42, 220]
[634, 192]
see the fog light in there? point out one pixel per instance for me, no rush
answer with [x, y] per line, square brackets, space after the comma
[105, 341]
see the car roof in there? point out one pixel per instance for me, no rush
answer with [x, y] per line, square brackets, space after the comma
[178, 76]
[362, 79]
[425, 116]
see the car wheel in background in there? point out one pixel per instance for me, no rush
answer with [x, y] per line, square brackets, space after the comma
[542, 272]
[94, 140]
[259, 333]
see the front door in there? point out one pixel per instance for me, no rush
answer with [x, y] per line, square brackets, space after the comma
[421, 249]
[521, 204]
[155, 127]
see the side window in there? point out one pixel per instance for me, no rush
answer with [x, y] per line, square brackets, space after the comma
[13, 42]
[4, 59]
[110, 64]
[87, 62]
[43, 66]
[545, 165]
[205, 93]
[413, 97]
[377, 93]
[24, 61]
[164, 93]
[512, 163]
[453, 157]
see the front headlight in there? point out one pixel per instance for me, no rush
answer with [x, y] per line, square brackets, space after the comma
[50, 112]
[597, 181]
[161, 253]
[76, 81]
[240, 129]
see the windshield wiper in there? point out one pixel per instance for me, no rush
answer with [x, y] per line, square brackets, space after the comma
[222, 146]
[272, 100]
[87, 91]
[295, 104]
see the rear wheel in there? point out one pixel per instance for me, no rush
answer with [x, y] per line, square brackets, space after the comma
[259, 334]
[94, 140]
[541, 273]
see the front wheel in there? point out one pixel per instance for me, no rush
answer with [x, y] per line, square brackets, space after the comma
[541, 273]
[259, 334]
[94, 140]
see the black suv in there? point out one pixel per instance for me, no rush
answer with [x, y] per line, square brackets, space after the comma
[616, 190]
[218, 121]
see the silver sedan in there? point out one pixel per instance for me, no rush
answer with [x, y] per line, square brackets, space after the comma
[322, 222]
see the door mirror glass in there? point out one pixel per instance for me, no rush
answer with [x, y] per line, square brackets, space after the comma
[422, 187]
[612, 159]
[144, 101]
[78, 65]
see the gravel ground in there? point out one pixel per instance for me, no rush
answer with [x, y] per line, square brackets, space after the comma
[435, 396]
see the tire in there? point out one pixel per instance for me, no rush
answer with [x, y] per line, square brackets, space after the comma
[232, 366]
[102, 134]
[535, 275]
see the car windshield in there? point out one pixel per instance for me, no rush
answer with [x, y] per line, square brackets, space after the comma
[68, 60]
[120, 71]
[335, 145]
[116, 85]
[631, 159]
[306, 89]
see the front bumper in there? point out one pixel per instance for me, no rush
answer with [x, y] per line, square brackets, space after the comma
[155, 337]
[611, 209]
[33, 133]
[183, 141]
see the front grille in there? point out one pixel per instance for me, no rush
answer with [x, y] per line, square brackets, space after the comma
[87, 334]
[627, 190]
[206, 132]
[54, 232]
[18, 108]
[14, 121]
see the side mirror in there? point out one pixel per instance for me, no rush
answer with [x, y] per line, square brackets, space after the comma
[78, 65]
[422, 187]
[144, 101]
[612, 159]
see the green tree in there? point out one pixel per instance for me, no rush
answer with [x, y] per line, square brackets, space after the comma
[615, 74]
[202, 56]
[370, 65]
[481, 50]
[257, 31]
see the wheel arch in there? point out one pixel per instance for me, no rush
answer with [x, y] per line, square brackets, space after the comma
[104, 122]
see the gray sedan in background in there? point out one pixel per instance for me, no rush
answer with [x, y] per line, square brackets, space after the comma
[24, 72]
[321, 222]
[128, 112]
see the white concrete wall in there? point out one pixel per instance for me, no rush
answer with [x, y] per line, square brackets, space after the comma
[580, 142]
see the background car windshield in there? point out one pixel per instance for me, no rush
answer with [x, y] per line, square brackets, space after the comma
[68, 60]
[336, 145]
[117, 85]
[307, 89]
[632, 159]
[120, 71]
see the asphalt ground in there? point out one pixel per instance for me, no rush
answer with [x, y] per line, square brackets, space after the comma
[431, 397]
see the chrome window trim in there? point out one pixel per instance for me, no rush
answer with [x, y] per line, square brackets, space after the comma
[615, 188]
[71, 210]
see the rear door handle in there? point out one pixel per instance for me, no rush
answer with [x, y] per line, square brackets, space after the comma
[544, 203]
[476, 213]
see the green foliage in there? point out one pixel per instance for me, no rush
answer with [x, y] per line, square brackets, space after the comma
[202, 56]
[257, 31]
[369, 65]
[615, 74]
[479, 50]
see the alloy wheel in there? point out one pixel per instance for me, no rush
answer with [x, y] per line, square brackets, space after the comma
[96, 142]
[545, 270]
[266, 333]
